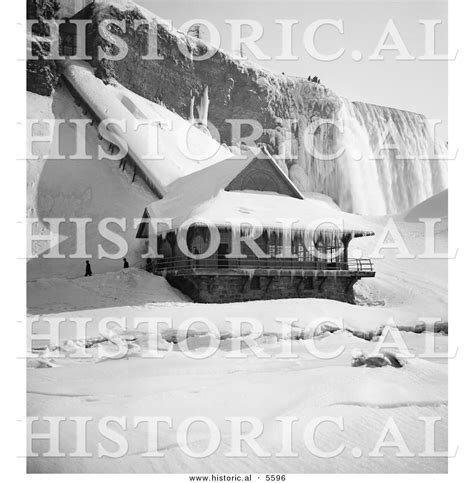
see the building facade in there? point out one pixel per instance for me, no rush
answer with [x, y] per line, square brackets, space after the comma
[241, 231]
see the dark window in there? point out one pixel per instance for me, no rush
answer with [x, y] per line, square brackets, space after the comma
[223, 250]
[255, 283]
[274, 246]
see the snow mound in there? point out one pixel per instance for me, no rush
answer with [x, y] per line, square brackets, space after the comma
[126, 287]
[434, 207]
[197, 196]
[418, 284]
[216, 387]
[76, 188]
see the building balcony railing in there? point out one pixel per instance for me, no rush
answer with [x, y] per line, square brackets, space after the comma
[183, 266]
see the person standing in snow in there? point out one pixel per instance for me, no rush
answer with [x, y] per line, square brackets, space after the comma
[125, 263]
[88, 269]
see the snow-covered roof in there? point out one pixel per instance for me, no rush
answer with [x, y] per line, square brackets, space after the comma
[202, 197]
[183, 147]
[205, 183]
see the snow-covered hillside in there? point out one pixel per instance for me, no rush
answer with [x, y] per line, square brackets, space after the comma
[434, 207]
[127, 287]
[96, 188]
[416, 284]
[82, 188]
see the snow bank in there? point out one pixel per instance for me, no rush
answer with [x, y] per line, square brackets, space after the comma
[126, 287]
[76, 188]
[416, 284]
[270, 316]
[218, 387]
[434, 207]
[95, 188]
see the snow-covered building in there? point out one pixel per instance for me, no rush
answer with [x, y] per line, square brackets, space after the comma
[240, 230]
[233, 227]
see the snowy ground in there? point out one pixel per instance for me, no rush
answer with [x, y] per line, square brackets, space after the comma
[220, 386]
[179, 386]
[415, 284]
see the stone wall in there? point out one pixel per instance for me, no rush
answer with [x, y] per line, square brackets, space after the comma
[42, 75]
[231, 288]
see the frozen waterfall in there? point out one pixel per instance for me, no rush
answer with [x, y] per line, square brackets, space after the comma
[387, 160]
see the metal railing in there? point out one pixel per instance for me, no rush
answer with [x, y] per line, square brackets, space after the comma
[187, 265]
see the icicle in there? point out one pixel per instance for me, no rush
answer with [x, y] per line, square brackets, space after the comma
[250, 272]
[203, 108]
[246, 230]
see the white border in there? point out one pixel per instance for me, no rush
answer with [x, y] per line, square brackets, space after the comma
[461, 174]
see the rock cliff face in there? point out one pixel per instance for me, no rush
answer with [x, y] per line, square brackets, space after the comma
[237, 90]
[41, 75]
[365, 179]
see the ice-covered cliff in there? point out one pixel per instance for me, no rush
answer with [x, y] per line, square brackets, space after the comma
[388, 159]
[303, 122]
[370, 159]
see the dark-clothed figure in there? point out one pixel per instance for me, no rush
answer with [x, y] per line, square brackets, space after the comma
[88, 269]
[125, 263]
